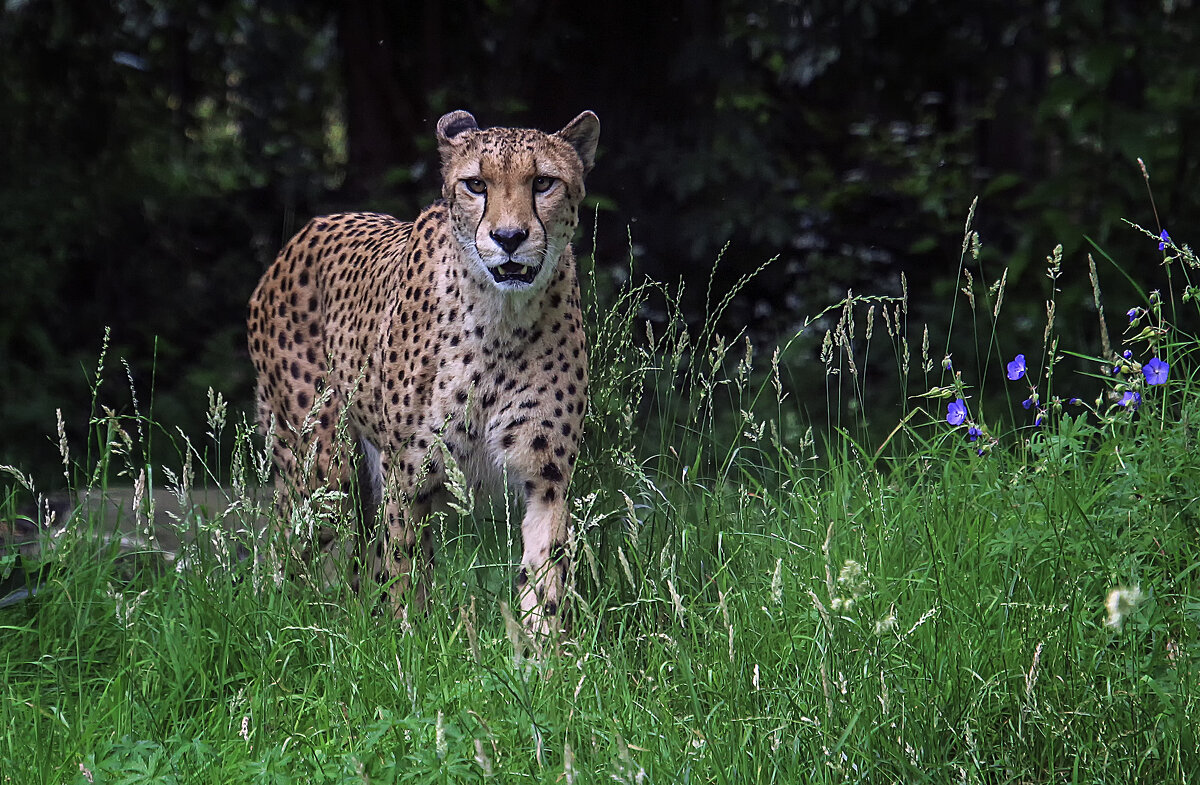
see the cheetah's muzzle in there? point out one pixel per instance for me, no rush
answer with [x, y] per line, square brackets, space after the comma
[514, 272]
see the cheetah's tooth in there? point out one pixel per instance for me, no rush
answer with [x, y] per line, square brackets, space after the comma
[524, 269]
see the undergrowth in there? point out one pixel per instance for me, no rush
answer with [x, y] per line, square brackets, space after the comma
[1003, 589]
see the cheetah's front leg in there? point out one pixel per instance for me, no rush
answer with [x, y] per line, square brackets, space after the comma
[404, 551]
[541, 581]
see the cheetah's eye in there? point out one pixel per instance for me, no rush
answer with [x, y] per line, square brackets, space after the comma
[542, 184]
[475, 185]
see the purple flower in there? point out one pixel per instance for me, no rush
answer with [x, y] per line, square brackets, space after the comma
[1127, 354]
[1131, 399]
[1155, 371]
[1163, 238]
[1132, 313]
[973, 433]
[1074, 401]
[1037, 422]
[1027, 402]
[956, 412]
[1016, 368]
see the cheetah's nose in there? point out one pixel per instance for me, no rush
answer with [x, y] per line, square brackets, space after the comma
[509, 239]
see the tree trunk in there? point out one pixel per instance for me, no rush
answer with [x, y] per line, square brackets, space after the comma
[384, 107]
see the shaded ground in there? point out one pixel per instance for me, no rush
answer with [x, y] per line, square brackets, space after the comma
[156, 536]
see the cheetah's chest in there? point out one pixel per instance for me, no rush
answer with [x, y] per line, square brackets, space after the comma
[453, 375]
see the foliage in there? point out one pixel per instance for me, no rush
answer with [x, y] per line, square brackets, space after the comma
[157, 153]
[151, 162]
[750, 603]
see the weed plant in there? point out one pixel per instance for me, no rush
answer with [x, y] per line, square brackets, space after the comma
[1003, 590]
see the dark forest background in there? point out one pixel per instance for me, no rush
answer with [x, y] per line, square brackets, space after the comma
[155, 154]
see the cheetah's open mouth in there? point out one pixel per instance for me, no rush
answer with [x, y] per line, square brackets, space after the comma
[513, 272]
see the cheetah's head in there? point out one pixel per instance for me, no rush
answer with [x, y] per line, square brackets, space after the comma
[514, 194]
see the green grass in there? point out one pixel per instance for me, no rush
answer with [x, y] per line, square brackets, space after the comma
[755, 604]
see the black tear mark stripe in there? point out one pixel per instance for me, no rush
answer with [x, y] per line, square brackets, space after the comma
[482, 216]
[538, 216]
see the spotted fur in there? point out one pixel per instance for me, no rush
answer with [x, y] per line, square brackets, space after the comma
[458, 334]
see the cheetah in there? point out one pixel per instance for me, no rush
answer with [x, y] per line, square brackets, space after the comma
[453, 340]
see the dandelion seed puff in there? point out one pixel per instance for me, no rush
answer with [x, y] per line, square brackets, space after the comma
[1121, 603]
[886, 624]
[853, 579]
[842, 604]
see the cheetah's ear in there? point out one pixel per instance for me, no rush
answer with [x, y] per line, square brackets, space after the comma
[453, 124]
[582, 133]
